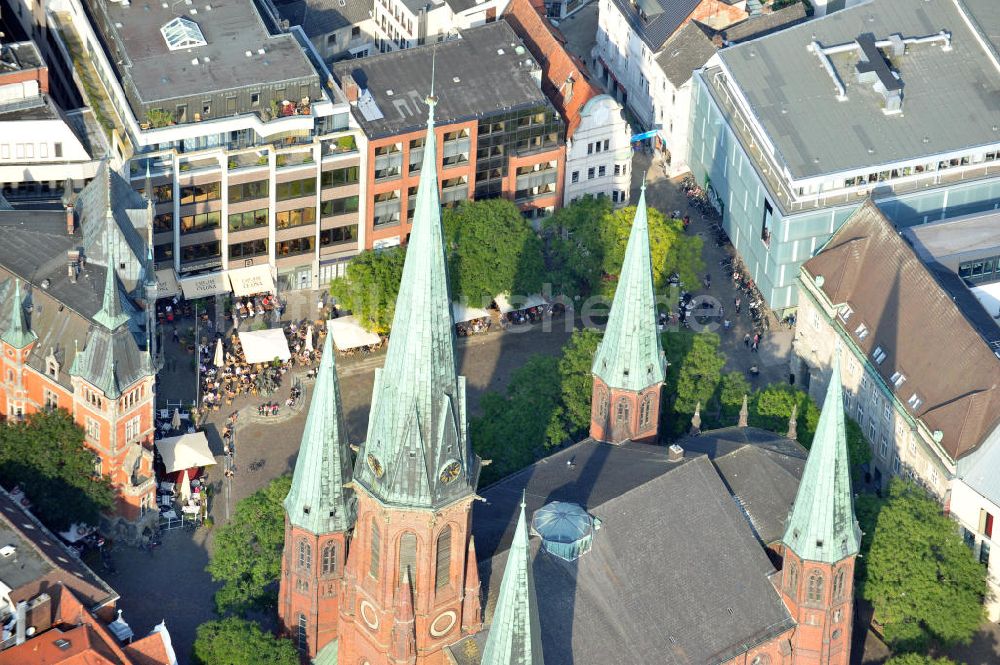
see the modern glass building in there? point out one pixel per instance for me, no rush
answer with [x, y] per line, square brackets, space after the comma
[895, 99]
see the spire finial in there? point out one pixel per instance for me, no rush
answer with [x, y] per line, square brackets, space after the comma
[642, 188]
[431, 100]
[744, 413]
[793, 433]
[523, 502]
[696, 419]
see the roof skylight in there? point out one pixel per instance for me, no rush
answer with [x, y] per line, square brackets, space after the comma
[181, 33]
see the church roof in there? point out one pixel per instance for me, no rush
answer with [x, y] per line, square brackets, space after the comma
[317, 500]
[821, 525]
[417, 451]
[111, 315]
[630, 356]
[17, 333]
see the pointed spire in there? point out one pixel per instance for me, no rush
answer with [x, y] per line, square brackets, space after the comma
[696, 420]
[821, 525]
[744, 413]
[111, 315]
[18, 334]
[515, 635]
[317, 500]
[471, 604]
[630, 356]
[793, 425]
[417, 452]
[403, 649]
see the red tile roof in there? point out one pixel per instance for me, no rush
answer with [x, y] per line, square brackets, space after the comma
[565, 80]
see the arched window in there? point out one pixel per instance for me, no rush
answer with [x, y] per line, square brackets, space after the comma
[442, 566]
[838, 585]
[646, 411]
[622, 414]
[815, 591]
[601, 402]
[605, 404]
[305, 556]
[376, 546]
[793, 579]
[329, 559]
[301, 640]
[408, 556]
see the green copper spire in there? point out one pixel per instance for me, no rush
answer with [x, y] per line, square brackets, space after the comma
[317, 501]
[515, 636]
[111, 315]
[18, 334]
[821, 524]
[417, 452]
[630, 356]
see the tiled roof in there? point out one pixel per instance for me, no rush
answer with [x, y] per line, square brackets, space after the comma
[764, 24]
[564, 76]
[663, 17]
[689, 49]
[320, 17]
[925, 336]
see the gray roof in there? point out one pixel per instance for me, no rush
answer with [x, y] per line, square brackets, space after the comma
[230, 28]
[764, 24]
[689, 49]
[979, 470]
[950, 98]
[663, 17]
[488, 81]
[459, 6]
[970, 235]
[321, 17]
[675, 551]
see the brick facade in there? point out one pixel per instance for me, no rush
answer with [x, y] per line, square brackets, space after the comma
[618, 416]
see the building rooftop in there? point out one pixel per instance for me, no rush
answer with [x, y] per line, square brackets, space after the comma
[487, 70]
[976, 234]
[320, 17]
[688, 50]
[764, 24]
[655, 20]
[18, 56]
[949, 92]
[229, 29]
[951, 375]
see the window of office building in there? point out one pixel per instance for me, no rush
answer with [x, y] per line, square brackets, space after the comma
[201, 193]
[201, 222]
[339, 177]
[248, 191]
[250, 219]
[201, 251]
[249, 249]
[295, 246]
[287, 219]
[340, 235]
[339, 206]
[295, 189]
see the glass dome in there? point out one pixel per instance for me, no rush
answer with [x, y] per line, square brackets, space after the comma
[566, 529]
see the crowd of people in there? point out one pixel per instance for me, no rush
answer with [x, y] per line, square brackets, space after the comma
[252, 306]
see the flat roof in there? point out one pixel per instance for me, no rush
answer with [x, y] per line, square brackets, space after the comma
[485, 71]
[321, 17]
[230, 28]
[978, 233]
[17, 56]
[950, 97]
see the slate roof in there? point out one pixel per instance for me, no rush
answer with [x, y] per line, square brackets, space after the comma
[689, 49]
[321, 17]
[675, 550]
[459, 6]
[924, 335]
[663, 18]
[764, 24]
[488, 82]
[793, 97]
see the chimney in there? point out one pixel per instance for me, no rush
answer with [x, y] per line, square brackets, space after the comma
[351, 89]
[70, 219]
[73, 264]
[22, 621]
[675, 453]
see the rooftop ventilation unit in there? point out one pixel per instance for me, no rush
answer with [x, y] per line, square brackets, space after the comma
[7, 551]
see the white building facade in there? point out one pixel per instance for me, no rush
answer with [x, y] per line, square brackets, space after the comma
[401, 24]
[599, 156]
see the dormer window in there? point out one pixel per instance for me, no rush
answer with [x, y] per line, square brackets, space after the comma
[897, 379]
[878, 355]
[845, 312]
[915, 401]
[52, 367]
[861, 331]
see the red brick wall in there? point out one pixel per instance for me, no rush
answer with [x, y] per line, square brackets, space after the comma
[823, 634]
[604, 408]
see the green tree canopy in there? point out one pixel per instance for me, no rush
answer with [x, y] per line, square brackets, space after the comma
[46, 455]
[586, 247]
[576, 384]
[920, 577]
[234, 641]
[492, 249]
[247, 553]
[370, 288]
[699, 373]
[918, 659]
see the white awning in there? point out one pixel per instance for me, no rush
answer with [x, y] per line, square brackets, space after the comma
[203, 286]
[263, 346]
[462, 313]
[989, 296]
[522, 302]
[187, 451]
[348, 334]
[166, 283]
[251, 280]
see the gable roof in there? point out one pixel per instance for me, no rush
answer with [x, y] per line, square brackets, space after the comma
[663, 18]
[687, 50]
[321, 17]
[916, 323]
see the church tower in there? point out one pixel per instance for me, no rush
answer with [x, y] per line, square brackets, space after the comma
[629, 366]
[17, 340]
[410, 587]
[319, 513]
[821, 541]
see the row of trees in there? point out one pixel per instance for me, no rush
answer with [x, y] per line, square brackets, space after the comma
[492, 249]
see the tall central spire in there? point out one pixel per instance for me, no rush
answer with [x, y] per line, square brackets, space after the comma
[417, 452]
[110, 315]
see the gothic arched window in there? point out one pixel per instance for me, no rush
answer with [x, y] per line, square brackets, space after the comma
[376, 546]
[838, 585]
[793, 579]
[442, 567]
[622, 414]
[646, 411]
[305, 556]
[408, 557]
[329, 565]
[814, 593]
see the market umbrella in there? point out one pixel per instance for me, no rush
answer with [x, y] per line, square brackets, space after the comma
[220, 359]
[185, 486]
[175, 422]
[309, 339]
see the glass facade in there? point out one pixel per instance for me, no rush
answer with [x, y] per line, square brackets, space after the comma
[514, 133]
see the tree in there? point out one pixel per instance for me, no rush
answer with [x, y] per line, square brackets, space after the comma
[370, 288]
[586, 247]
[731, 391]
[234, 641]
[699, 374]
[576, 383]
[921, 578]
[247, 555]
[492, 249]
[46, 455]
[772, 406]
[918, 659]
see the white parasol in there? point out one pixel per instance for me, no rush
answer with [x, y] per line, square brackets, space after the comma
[185, 487]
[309, 339]
[220, 358]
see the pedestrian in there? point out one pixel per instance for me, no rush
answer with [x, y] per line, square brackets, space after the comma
[738, 303]
[177, 337]
[746, 340]
[756, 339]
[753, 348]
[726, 324]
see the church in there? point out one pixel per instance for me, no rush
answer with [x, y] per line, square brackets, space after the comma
[731, 546]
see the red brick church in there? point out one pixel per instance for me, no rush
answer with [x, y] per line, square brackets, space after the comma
[732, 546]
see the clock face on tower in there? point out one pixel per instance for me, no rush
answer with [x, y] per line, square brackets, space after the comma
[450, 471]
[375, 465]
